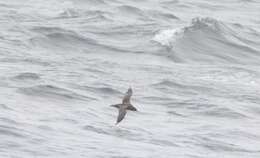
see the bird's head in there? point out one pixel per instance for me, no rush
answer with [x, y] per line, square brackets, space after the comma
[130, 91]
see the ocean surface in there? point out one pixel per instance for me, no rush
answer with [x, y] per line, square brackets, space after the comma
[194, 67]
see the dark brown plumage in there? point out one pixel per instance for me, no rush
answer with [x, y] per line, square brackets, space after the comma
[125, 105]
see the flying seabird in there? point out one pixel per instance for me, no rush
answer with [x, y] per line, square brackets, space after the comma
[126, 105]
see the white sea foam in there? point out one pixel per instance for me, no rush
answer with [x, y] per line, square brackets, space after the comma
[168, 36]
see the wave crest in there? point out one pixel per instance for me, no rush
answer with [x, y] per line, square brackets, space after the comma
[207, 40]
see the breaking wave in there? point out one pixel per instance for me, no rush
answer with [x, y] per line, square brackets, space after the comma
[207, 40]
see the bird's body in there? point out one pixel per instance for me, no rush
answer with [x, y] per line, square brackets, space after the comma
[125, 105]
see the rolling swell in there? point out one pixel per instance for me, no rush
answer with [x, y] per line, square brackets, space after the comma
[145, 14]
[51, 91]
[27, 76]
[208, 40]
[59, 39]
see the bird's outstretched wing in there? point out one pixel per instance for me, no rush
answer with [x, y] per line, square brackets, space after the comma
[121, 114]
[131, 107]
[116, 105]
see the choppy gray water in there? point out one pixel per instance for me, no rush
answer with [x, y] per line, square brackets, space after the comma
[194, 67]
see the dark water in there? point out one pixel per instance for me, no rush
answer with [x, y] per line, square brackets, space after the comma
[193, 66]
